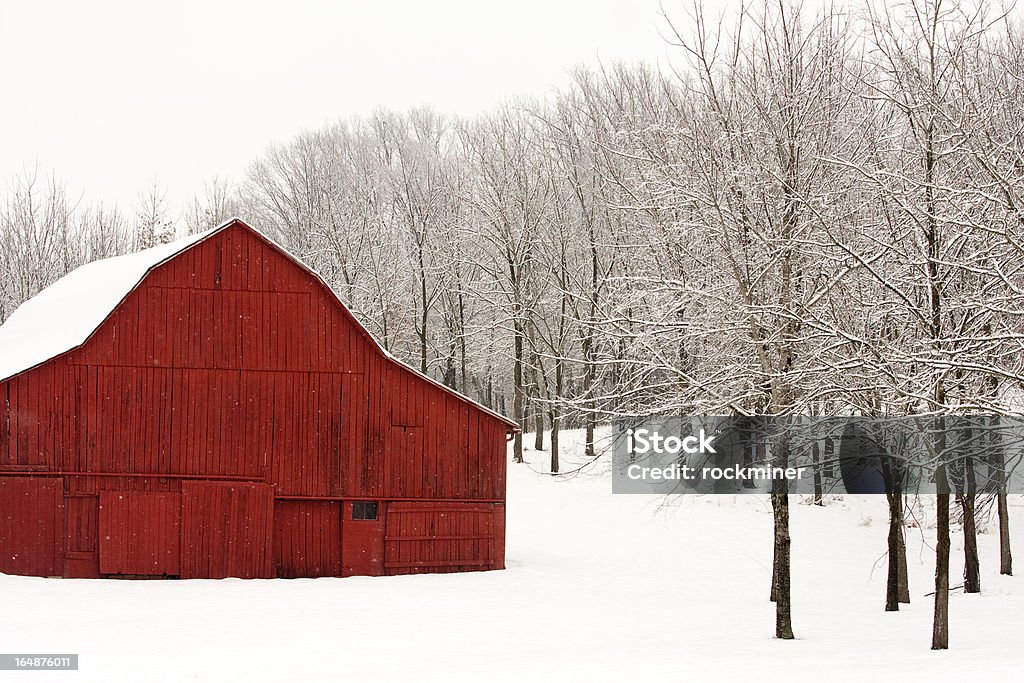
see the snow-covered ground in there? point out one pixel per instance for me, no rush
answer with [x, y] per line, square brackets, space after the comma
[598, 587]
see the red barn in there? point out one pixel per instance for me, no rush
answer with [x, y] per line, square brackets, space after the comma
[209, 408]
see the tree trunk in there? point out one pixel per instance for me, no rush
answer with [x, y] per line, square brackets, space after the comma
[517, 398]
[589, 379]
[816, 466]
[781, 565]
[555, 427]
[940, 622]
[462, 342]
[588, 344]
[967, 500]
[892, 591]
[998, 460]
[536, 405]
[1005, 558]
[556, 411]
[903, 587]
[424, 313]
[972, 570]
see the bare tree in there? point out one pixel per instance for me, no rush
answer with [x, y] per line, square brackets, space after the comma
[217, 203]
[512, 199]
[152, 223]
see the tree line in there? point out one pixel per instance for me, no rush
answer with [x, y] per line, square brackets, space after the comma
[809, 212]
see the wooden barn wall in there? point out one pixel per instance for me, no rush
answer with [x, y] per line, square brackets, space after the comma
[231, 361]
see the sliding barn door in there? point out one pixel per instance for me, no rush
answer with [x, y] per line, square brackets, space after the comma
[227, 530]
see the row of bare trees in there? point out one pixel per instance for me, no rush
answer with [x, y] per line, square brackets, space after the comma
[811, 212]
[841, 194]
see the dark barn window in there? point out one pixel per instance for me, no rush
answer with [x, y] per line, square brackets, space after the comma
[364, 510]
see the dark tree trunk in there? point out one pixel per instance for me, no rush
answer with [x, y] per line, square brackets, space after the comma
[903, 587]
[424, 313]
[998, 461]
[781, 565]
[940, 617]
[556, 411]
[536, 405]
[462, 342]
[940, 622]
[591, 425]
[968, 505]
[892, 590]
[896, 588]
[1005, 558]
[816, 466]
[588, 344]
[972, 570]
[556, 421]
[780, 593]
[517, 397]
[589, 380]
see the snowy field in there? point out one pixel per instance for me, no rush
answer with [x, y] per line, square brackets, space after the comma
[598, 587]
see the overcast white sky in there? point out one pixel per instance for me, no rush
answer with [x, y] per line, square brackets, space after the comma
[110, 95]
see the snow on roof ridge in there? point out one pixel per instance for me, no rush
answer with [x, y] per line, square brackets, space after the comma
[62, 316]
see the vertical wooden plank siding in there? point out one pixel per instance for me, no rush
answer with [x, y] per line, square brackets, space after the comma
[31, 526]
[227, 530]
[140, 533]
[307, 538]
[81, 551]
[442, 537]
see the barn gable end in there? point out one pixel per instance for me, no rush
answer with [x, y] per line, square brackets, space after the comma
[230, 362]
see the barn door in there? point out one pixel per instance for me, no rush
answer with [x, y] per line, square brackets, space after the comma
[227, 530]
[140, 533]
[81, 550]
[307, 538]
[31, 526]
[444, 537]
[362, 538]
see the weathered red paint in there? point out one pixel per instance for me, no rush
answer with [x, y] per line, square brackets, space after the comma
[31, 526]
[221, 421]
[141, 533]
[307, 538]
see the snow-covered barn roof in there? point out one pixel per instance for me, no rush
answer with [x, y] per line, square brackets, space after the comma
[65, 314]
